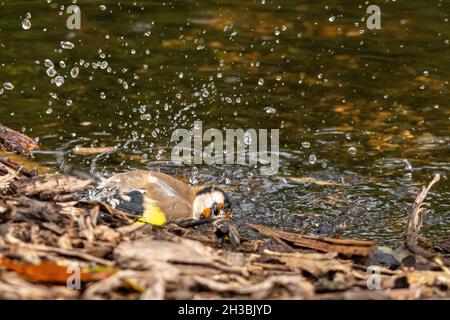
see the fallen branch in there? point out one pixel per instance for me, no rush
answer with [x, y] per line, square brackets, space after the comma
[193, 223]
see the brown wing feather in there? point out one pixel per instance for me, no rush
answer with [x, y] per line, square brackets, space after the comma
[173, 196]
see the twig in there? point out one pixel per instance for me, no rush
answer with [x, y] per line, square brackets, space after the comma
[415, 222]
[18, 168]
[193, 223]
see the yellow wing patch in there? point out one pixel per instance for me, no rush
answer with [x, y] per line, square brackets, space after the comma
[152, 214]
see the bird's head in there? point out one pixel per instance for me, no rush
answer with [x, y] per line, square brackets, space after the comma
[211, 201]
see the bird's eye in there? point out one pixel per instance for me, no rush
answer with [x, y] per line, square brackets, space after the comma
[218, 208]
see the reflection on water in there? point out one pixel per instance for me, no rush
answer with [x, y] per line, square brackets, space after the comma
[366, 110]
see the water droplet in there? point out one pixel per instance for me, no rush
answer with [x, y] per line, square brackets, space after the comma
[261, 81]
[67, 45]
[408, 166]
[62, 64]
[48, 63]
[51, 72]
[142, 109]
[426, 73]
[104, 65]
[8, 86]
[306, 144]
[193, 180]
[74, 72]
[332, 18]
[26, 24]
[205, 93]
[68, 102]
[59, 80]
[102, 95]
[181, 75]
[312, 159]
[270, 109]
[102, 7]
[352, 151]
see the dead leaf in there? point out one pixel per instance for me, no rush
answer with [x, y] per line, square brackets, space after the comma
[314, 263]
[49, 271]
[296, 284]
[144, 253]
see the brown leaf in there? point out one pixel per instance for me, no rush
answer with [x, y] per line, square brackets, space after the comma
[145, 252]
[296, 284]
[314, 263]
[49, 271]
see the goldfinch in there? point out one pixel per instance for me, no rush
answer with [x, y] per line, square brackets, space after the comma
[161, 198]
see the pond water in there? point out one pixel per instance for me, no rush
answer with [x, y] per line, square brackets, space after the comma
[364, 115]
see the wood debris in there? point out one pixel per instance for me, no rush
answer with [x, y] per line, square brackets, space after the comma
[342, 246]
[11, 140]
[85, 151]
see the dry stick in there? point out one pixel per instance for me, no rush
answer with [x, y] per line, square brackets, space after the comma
[20, 169]
[189, 223]
[414, 225]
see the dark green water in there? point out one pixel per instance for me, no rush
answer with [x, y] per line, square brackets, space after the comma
[311, 69]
